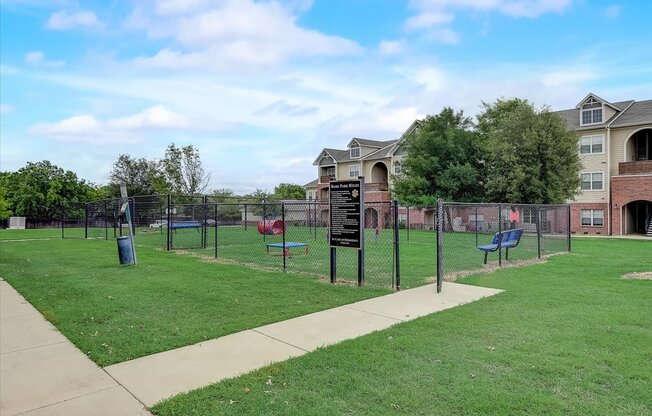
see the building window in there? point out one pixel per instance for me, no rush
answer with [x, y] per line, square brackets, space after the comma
[330, 172]
[592, 217]
[355, 152]
[528, 216]
[591, 112]
[591, 144]
[397, 168]
[592, 116]
[354, 171]
[592, 181]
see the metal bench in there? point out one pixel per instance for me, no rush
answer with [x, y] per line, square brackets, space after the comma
[505, 239]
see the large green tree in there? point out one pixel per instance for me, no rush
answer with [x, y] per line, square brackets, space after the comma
[531, 156]
[182, 171]
[140, 176]
[442, 161]
[42, 190]
[289, 191]
[5, 212]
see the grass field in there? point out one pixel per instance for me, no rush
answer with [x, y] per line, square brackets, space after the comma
[246, 246]
[169, 300]
[566, 337]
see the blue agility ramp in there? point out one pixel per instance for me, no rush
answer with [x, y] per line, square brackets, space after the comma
[286, 247]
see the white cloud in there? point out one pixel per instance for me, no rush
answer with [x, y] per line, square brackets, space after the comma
[612, 11]
[62, 20]
[236, 33]
[391, 47]
[569, 75]
[428, 19]
[38, 58]
[87, 128]
[435, 16]
[157, 117]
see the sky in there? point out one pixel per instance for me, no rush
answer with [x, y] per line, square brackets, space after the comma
[260, 87]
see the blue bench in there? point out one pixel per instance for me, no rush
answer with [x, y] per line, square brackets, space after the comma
[504, 239]
[185, 224]
[286, 247]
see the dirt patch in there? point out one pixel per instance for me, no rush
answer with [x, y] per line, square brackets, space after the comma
[638, 276]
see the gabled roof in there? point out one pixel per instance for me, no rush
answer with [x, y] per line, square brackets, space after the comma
[311, 184]
[370, 143]
[406, 133]
[602, 100]
[572, 116]
[639, 112]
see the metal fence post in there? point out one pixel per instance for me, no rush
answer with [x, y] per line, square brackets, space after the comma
[476, 225]
[215, 230]
[538, 225]
[407, 222]
[439, 221]
[264, 221]
[86, 221]
[63, 214]
[169, 221]
[397, 247]
[245, 216]
[204, 228]
[106, 220]
[568, 232]
[500, 230]
[285, 249]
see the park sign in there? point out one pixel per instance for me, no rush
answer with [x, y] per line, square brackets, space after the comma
[346, 201]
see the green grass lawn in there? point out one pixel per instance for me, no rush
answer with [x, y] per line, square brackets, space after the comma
[566, 337]
[169, 300]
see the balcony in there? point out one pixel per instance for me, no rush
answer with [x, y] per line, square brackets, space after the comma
[376, 187]
[326, 178]
[637, 167]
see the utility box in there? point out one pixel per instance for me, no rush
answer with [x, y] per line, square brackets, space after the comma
[17, 223]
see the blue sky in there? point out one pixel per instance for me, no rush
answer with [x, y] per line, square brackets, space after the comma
[261, 86]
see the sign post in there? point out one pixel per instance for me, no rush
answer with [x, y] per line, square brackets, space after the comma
[346, 225]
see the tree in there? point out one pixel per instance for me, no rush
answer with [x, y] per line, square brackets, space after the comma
[531, 156]
[44, 191]
[442, 161]
[5, 212]
[289, 191]
[138, 174]
[183, 171]
[264, 203]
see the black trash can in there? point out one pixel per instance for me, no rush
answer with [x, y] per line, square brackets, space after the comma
[125, 251]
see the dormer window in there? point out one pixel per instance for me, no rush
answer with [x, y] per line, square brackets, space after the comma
[355, 151]
[591, 112]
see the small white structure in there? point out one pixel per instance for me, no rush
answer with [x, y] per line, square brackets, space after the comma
[17, 223]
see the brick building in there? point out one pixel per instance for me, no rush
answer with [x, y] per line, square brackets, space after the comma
[615, 145]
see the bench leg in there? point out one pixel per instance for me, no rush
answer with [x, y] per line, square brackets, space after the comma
[485, 257]
[306, 249]
[286, 252]
[507, 254]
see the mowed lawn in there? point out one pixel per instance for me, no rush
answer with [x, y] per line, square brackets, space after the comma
[116, 313]
[566, 337]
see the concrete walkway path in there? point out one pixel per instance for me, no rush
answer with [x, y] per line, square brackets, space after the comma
[163, 375]
[42, 373]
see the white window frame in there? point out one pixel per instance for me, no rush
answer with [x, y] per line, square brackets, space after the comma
[351, 171]
[351, 152]
[592, 217]
[591, 189]
[527, 216]
[592, 137]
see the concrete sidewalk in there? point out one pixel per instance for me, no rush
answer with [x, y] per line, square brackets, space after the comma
[163, 375]
[42, 373]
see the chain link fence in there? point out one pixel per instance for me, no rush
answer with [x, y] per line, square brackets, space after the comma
[476, 237]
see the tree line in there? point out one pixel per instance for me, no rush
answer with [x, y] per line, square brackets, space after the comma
[514, 153]
[43, 191]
